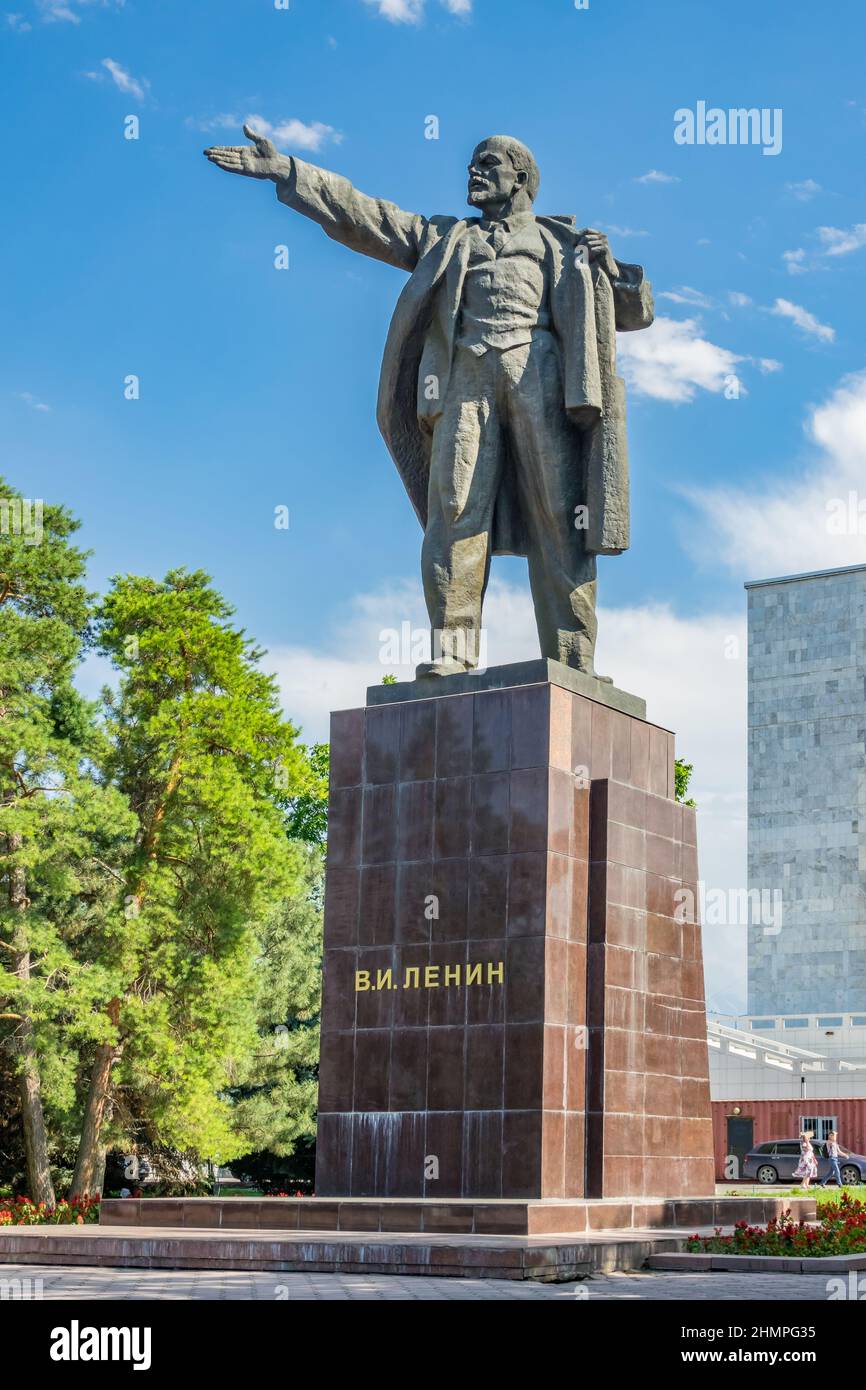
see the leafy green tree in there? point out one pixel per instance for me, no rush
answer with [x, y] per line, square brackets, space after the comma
[13, 1159]
[275, 1103]
[159, 936]
[307, 813]
[200, 749]
[682, 778]
[275, 1106]
[59, 827]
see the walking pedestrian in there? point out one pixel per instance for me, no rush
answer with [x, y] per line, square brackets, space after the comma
[807, 1168]
[834, 1153]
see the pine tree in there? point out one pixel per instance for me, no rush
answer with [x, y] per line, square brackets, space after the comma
[58, 825]
[204, 756]
[275, 1100]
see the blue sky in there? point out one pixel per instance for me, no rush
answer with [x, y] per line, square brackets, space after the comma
[258, 386]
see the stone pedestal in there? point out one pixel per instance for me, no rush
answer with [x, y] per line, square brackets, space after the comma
[512, 1007]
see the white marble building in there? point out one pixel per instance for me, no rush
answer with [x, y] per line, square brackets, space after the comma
[807, 792]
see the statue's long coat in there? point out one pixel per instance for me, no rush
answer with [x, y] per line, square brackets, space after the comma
[586, 309]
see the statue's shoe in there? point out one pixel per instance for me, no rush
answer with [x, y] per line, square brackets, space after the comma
[445, 666]
[592, 673]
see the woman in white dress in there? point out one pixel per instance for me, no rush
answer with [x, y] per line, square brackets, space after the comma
[807, 1168]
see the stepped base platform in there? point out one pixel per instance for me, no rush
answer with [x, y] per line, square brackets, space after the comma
[457, 1216]
[553, 1260]
[555, 1240]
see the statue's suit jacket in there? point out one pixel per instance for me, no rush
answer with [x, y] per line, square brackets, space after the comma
[586, 309]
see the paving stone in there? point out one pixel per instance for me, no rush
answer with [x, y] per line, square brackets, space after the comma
[133, 1285]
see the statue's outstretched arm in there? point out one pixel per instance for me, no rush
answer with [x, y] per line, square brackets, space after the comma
[370, 225]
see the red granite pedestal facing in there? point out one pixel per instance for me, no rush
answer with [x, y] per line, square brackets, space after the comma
[512, 1007]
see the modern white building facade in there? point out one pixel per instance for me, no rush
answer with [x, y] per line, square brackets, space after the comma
[807, 797]
[768, 1065]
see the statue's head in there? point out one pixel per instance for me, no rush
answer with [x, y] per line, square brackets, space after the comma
[502, 171]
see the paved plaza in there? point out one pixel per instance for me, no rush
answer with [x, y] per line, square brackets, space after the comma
[135, 1285]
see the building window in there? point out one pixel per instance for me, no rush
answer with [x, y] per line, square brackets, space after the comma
[830, 1022]
[820, 1125]
[796, 1023]
[858, 1021]
[763, 1023]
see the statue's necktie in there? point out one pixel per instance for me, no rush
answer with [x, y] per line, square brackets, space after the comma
[496, 236]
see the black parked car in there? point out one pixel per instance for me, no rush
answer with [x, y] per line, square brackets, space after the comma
[776, 1160]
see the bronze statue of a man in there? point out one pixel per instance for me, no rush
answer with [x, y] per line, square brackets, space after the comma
[499, 399]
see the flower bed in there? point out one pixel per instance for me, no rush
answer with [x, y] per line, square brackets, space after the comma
[22, 1211]
[840, 1230]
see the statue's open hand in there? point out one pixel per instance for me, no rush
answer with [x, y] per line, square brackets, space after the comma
[260, 160]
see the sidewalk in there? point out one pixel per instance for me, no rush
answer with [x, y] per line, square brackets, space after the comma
[134, 1285]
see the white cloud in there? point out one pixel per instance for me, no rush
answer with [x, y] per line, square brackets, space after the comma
[400, 11]
[671, 361]
[839, 426]
[784, 308]
[803, 191]
[795, 261]
[123, 80]
[226, 120]
[642, 647]
[67, 11]
[294, 134]
[740, 300]
[686, 295]
[412, 11]
[835, 241]
[18, 23]
[839, 241]
[625, 231]
[656, 176]
[290, 134]
[769, 364]
[808, 521]
[33, 401]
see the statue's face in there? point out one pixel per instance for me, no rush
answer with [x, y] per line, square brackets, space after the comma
[492, 176]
